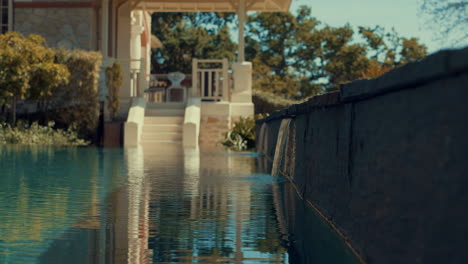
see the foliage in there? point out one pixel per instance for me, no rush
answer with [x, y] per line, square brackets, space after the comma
[27, 69]
[299, 56]
[295, 56]
[374, 70]
[114, 79]
[242, 135]
[34, 134]
[186, 36]
[45, 80]
[448, 17]
[77, 102]
[267, 102]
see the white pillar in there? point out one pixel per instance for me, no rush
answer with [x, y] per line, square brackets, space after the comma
[135, 43]
[105, 28]
[242, 12]
[242, 82]
[135, 49]
[241, 98]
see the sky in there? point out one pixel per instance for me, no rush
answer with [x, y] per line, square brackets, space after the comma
[403, 15]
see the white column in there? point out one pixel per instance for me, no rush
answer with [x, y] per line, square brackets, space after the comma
[241, 98]
[105, 28]
[135, 42]
[242, 12]
[135, 49]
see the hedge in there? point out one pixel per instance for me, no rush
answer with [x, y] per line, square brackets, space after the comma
[77, 103]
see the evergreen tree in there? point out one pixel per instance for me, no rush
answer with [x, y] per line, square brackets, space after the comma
[294, 56]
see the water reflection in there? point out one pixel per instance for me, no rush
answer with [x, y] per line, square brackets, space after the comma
[156, 204]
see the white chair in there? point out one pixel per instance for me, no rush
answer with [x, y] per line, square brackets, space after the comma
[176, 79]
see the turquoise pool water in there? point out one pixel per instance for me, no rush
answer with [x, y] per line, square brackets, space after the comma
[157, 204]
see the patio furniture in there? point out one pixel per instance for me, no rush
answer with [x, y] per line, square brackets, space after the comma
[176, 92]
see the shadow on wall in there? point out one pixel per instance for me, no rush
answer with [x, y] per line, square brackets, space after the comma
[384, 161]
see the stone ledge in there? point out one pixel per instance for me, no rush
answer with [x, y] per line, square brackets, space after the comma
[320, 101]
[438, 66]
[434, 67]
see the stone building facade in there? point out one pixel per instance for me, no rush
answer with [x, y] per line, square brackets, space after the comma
[68, 28]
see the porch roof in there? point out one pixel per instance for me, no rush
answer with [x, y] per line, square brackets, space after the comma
[212, 5]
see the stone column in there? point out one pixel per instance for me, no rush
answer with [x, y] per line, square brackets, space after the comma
[105, 28]
[135, 51]
[241, 16]
[241, 99]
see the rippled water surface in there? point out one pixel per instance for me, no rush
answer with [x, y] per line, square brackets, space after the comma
[157, 204]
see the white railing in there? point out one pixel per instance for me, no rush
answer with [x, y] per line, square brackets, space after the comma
[210, 83]
[157, 91]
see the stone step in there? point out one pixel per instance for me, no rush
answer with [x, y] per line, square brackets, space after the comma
[157, 142]
[165, 106]
[150, 128]
[161, 136]
[163, 120]
[164, 112]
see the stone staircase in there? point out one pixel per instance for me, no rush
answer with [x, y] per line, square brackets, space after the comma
[163, 123]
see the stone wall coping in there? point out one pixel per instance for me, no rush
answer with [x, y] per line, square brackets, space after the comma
[434, 67]
[321, 101]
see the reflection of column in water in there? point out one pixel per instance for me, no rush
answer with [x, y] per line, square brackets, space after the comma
[243, 201]
[239, 256]
[103, 181]
[144, 222]
[192, 177]
[135, 163]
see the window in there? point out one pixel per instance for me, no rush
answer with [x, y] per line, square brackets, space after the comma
[5, 18]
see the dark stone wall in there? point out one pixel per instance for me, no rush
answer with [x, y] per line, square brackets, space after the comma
[386, 160]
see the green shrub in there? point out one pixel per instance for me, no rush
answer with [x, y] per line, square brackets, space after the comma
[266, 103]
[114, 79]
[34, 134]
[77, 103]
[242, 135]
[27, 70]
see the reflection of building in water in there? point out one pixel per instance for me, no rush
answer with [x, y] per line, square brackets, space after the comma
[115, 227]
[170, 206]
[131, 213]
[209, 218]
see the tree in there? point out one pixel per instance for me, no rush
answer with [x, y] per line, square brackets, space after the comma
[191, 35]
[27, 69]
[46, 77]
[278, 44]
[449, 17]
[299, 56]
[294, 56]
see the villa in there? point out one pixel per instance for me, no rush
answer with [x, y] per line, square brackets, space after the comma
[190, 112]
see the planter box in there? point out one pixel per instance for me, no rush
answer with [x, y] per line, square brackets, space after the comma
[113, 134]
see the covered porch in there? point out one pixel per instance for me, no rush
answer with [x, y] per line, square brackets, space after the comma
[216, 88]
